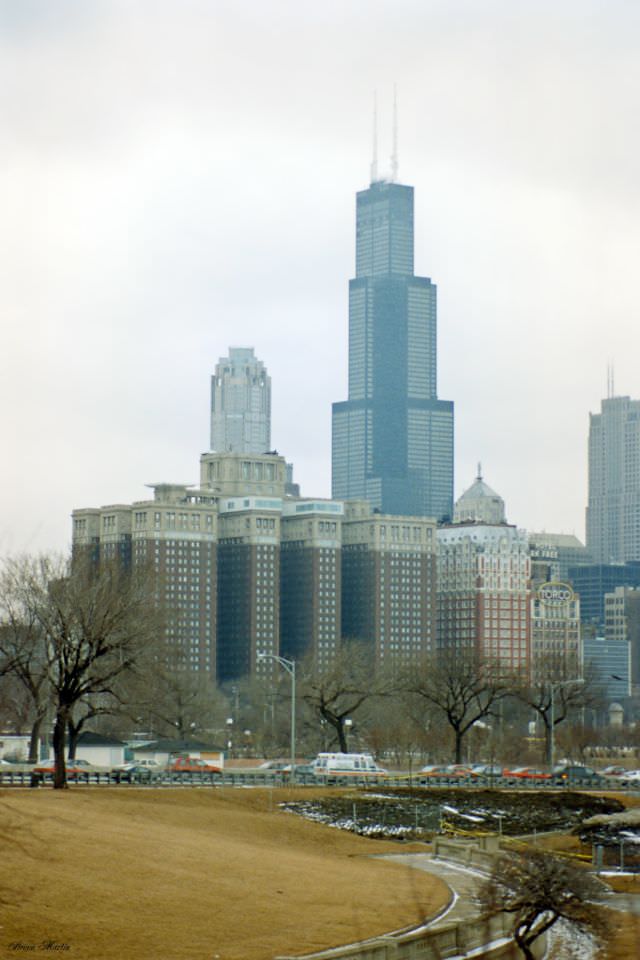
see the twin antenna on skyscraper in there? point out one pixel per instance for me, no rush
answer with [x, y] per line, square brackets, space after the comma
[610, 383]
[394, 150]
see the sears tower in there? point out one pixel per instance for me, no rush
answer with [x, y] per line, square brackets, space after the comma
[393, 438]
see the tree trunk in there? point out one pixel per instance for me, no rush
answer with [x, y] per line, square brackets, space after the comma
[74, 733]
[459, 736]
[34, 739]
[59, 732]
[547, 738]
[521, 941]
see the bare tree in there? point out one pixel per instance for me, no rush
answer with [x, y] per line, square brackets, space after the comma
[178, 701]
[461, 687]
[88, 708]
[557, 691]
[538, 890]
[93, 622]
[336, 692]
[23, 654]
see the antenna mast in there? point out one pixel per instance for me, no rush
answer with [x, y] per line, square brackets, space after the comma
[374, 158]
[394, 154]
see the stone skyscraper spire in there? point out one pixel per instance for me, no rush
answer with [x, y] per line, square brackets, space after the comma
[240, 404]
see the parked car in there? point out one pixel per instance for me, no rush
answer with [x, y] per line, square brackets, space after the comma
[300, 769]
[527, 773]
[456, 770]
[571, 773]
[615, 772]
[433, 770]
[630, 776]
[137, 771]
[486, 770]
[192, 765]
[152, 765]
[73, 768]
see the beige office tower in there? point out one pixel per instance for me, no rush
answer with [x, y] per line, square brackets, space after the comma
[310, 580]
[175, 537]
[248, 586]
[240, 404]
[388, 584]
[555, 626]
[483, 592]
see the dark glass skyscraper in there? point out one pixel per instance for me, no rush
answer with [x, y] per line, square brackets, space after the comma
[392, 439]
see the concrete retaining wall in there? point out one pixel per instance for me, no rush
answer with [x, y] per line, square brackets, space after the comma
[453, 940]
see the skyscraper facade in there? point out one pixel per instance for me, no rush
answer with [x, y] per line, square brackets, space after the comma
[240, 404]
[613, 511]
[393, 437]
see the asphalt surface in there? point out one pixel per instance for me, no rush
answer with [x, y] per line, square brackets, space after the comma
[462, 882]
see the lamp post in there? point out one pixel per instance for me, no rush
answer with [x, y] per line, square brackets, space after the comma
[290, 667]
[552, 744]
[348, 723]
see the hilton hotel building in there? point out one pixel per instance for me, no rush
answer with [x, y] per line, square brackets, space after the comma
[242, 570]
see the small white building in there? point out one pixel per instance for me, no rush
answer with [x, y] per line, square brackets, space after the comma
[100, 751]
[15, 746]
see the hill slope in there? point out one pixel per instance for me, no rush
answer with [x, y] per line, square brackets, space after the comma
[190, 873]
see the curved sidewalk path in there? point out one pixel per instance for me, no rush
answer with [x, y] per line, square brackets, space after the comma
[462, 882]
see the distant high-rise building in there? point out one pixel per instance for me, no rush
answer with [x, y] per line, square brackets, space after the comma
[393, 438]
[310, 578]
[484, 593]
[389, 584]
[613, 511]
[555, 625]
[240, 404]
[593, 580]
[622, 623]
[175, 538]
[248, 589]
[553, 553]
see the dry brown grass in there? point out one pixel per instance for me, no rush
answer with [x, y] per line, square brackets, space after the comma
[624, 943]
[193, 873]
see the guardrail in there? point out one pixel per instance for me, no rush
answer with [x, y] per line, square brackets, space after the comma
[265, 778]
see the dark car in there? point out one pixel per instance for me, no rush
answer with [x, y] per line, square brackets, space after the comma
[136, 772]
[574, 773]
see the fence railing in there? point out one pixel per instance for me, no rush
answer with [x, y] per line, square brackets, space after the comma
[25, 777]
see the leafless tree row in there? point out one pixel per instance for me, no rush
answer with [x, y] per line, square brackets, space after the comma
[84, 643]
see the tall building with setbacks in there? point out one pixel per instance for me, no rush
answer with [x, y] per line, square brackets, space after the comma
[393, 437]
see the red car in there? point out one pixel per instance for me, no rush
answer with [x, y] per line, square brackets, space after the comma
[526, 773]
[192, 765]
[73, 767]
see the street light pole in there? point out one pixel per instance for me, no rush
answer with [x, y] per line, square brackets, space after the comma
[290, 667]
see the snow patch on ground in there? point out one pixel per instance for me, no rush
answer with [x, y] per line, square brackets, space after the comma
[565, 942]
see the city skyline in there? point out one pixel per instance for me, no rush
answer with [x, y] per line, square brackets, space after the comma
[186, 182]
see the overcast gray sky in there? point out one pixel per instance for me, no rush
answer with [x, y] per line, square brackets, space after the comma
[179, 177]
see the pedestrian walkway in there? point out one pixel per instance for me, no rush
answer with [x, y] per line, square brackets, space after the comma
[463, 883]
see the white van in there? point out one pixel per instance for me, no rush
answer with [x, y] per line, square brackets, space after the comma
[346, 765]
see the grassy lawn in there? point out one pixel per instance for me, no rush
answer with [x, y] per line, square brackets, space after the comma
[191, 873]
